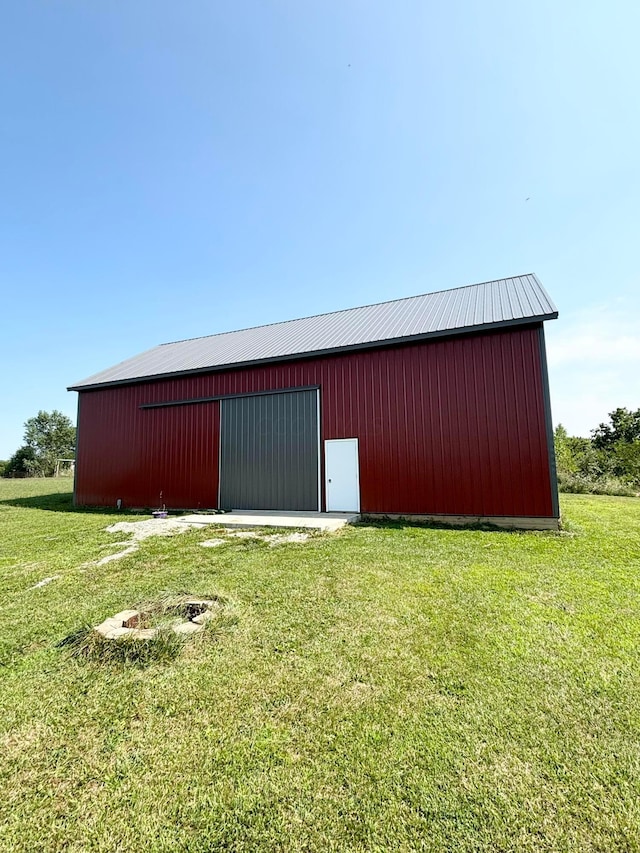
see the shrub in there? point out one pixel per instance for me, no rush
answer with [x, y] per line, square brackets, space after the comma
[23, 463]
[582, 484]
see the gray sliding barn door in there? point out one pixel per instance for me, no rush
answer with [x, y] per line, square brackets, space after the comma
[269, 451]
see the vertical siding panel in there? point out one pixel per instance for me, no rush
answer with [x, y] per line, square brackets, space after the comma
[500, 460]
[510, 424]
[472, 408]
[464, 385]
[446, 426]
[502, 450]
[432, 412]
[446, 397]
[521, 409]
[414, 442]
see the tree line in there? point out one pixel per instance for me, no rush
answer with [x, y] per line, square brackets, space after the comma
[48, 437]
[607, 463]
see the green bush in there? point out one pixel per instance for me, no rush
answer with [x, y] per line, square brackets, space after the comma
[582, 484]
[23, 463]
[606, 464]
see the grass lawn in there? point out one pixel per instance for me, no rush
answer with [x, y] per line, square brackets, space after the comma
[385, 688]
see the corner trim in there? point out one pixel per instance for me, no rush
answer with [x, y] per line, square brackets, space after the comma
[77, 454]
[553, 471]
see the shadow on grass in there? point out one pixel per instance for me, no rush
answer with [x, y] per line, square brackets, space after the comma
[405, 524]
[63, 502]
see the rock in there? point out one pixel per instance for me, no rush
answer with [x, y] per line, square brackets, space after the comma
[108, 626]
[203, 618]
[187, 628]
[144, 633]
[118, 633]
[128, 618]
[212, 543]
[125, 620]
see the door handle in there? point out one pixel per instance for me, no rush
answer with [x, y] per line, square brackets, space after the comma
[329, 480]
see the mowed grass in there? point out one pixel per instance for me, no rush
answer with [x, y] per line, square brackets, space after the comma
[386, 688]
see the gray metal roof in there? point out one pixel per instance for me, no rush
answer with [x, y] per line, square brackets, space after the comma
[505, 302]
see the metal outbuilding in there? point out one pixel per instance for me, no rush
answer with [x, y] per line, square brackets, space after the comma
[431, 406]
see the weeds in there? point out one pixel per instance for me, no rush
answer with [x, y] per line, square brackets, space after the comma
[86, 644]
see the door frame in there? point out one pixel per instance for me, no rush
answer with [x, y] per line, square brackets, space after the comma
[326, 471]
[319, 452]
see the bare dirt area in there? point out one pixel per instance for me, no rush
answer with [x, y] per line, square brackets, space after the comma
[138, 531]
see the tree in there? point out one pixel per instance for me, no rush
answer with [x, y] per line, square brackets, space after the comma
[624, 426]
[564, 457]
[50, 436]
[607, 463]
[588, 461]
[22, 464]
[625, 461]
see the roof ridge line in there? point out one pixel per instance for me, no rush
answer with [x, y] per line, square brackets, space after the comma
[344, 310]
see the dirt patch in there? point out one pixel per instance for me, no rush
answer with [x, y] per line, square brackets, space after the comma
[20, 740]
[138, 531]
[277, 538]
[45, 581]
[272, 538]
[141, 530]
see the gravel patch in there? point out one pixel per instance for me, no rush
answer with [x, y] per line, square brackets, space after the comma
[272, 538]
[141, 530]
[45, 581]
[278, 538]
[117, 556]
[212, 543]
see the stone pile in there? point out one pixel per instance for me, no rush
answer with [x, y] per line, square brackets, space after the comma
[125, 623]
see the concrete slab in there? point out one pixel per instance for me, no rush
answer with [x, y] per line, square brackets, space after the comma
[273, 518]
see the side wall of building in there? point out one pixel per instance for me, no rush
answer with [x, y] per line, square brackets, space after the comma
[447, 426]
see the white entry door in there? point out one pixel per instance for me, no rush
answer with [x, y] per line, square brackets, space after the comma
[342, 472]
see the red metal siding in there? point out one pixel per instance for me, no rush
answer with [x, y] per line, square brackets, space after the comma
[135, 455]
[452, 426]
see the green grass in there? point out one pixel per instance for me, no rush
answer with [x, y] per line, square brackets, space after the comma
[388, 688]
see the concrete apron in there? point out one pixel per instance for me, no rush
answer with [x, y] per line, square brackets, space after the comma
[273, 518]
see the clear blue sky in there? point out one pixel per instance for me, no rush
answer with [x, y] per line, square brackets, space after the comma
[172, 169]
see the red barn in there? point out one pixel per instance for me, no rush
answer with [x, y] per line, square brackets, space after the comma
[434, 406]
